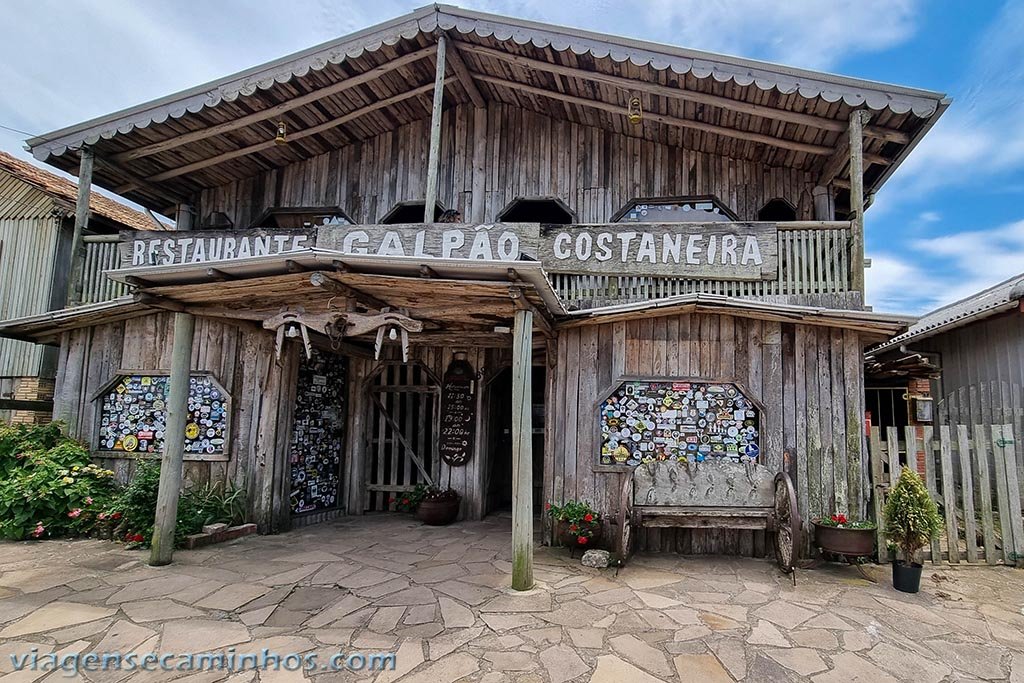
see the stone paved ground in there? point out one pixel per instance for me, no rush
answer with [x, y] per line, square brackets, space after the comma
[438, 596]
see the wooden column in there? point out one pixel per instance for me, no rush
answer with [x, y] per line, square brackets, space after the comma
[522, 451]
[479, 200]
[857, 121]
[824, 208]
[172, 459]
[81, 223]
[435, 134]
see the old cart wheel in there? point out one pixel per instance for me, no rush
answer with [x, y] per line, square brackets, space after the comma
[787, 522]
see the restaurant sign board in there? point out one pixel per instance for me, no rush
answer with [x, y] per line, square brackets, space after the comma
[724, 251]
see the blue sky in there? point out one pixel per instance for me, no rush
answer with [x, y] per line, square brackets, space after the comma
[949, 223]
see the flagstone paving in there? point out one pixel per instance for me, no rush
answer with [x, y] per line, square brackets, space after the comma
[439, 597]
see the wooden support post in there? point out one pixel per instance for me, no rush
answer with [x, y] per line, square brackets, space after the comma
[81, 223]
[824, 209]
[522, 451]
[434, 160]
[857, 121]
[172, 459]
[172, 464]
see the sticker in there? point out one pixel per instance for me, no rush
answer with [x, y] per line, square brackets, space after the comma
[129, 443]
[191, 430]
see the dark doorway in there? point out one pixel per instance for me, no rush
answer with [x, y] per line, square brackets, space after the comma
[499, 447]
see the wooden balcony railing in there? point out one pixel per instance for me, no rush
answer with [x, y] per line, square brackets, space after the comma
[818, 264]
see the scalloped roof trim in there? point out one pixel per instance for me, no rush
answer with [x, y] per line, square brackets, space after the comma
[721, 68]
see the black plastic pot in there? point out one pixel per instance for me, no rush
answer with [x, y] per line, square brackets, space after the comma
[906, 577]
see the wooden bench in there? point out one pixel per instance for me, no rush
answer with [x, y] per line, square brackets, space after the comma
[714, 494]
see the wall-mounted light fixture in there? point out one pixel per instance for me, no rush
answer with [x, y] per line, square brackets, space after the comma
[635, 111]
[282, 133]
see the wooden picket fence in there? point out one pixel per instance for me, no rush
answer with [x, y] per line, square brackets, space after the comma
[971, 474]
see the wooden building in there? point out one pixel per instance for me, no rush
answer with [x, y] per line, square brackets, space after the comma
[37, 211]
[962, 363]
[590, 222]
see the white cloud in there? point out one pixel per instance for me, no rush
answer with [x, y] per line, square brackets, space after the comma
[960, 264]
[981, 137]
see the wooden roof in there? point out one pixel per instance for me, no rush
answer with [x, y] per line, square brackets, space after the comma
[66, 194]
[380, 78]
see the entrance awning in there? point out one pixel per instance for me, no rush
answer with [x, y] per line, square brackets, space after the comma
[460, 302]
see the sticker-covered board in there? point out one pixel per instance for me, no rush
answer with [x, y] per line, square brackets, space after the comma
[643, 421]
[133, 416]
[318, 433]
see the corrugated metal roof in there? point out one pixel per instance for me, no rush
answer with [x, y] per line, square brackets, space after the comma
[986, 303]
[67, 191]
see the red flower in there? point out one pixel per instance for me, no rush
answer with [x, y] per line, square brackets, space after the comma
[138, 538]
[116, 515]
[588, 517]
[391, 499]
[582, 540]
[839, 519]
[547, 506]
[573, 528]
[405, 501]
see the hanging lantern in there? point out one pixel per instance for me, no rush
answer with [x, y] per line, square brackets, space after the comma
[282, 133]
[635, 113]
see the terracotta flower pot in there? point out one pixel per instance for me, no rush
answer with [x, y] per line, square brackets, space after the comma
[438, 512]
[841, 541]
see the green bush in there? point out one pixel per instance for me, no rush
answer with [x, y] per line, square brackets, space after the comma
[48, 485]
[911, 516]
[135, 506]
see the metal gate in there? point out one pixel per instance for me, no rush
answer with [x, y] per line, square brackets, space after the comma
[402, 403]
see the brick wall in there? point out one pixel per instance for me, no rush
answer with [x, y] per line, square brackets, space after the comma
[32, 389]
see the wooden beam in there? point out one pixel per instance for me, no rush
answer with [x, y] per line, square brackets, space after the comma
[277, 110]
[137, 182]
[793, 145]
[631, 85]
[522, 451]
[158, 301]
[294, 266]
[434, 160]
[81, 223]
[218, 275]
[465, 77]
[427, 271]
[324, 281]
[522, 304]
[297, 135]
[858, 119]
[478, 206]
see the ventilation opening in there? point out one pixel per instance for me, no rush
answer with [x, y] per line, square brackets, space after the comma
[777, 210]
[410, 212]
[537, 210]
[302, 217]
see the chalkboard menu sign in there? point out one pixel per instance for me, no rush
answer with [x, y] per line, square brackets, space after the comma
[133, 415]
[643, 421]
[318, 433]
[458, 413]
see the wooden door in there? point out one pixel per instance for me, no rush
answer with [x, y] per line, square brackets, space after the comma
[403, 411]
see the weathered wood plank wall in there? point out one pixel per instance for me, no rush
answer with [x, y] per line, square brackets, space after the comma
[523, 154]
[242, 360]
[807, 378]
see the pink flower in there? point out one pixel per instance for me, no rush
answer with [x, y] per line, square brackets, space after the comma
[102, 516]
[74, 513]
[88, 500]
[38, 531]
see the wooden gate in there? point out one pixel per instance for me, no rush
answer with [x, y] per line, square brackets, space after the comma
[972, 475]
[402, 402]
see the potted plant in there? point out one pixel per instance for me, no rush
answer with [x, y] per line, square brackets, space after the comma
[577, 525]
[431, 504]
[911, 521]
[840, 535]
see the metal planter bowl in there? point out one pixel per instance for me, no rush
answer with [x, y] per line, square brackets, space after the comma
[842, 541]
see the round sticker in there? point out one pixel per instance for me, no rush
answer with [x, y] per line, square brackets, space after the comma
[130, 442]
[191, 430]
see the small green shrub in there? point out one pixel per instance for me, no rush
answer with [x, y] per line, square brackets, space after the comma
[134, 509]
[48, 485]
[911, 516]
